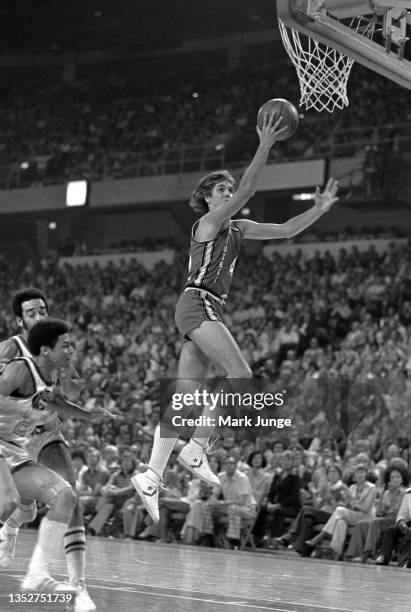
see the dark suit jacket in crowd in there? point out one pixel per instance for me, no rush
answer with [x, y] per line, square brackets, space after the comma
[285, 491]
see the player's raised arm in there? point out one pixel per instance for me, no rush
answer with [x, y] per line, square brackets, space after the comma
[292, 227]
[269, 134]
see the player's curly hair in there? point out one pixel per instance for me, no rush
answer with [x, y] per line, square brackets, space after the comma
[25, 295]
[45, 333]
[206, 186]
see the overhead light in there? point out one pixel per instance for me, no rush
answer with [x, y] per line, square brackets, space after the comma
[52, 225]
[245, 212]
[303, 196]
[195, 94]
[24, 165]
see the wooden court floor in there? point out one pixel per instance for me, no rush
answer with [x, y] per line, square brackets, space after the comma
[129, 576]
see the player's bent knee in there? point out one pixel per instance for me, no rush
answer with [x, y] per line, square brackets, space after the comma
[67, 498]
[28, 513]
[63, 503]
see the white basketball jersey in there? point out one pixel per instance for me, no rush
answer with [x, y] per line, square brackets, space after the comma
[16, 414]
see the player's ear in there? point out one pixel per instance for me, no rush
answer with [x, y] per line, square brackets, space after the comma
[19, 321]
[44, 351]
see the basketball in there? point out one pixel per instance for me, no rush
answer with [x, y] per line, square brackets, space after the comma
[280, 108]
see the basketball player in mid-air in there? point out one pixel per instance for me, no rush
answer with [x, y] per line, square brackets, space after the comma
[47, 446]
[215, 245]
[25, 385]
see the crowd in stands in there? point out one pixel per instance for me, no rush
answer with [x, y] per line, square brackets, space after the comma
[80, 248]
[140, 122]
[334, 331]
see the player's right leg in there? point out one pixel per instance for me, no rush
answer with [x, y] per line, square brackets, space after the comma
[214, 341]
[35, 481]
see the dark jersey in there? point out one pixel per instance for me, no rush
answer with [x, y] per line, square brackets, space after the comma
[211, 264]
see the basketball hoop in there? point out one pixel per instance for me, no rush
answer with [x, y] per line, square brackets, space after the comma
[323, 71]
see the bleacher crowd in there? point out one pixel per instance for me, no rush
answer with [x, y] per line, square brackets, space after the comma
[104, 126]
[335, 331]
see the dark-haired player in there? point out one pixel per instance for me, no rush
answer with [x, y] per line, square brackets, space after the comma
[215, 244]
[29, 305]
[25, 386]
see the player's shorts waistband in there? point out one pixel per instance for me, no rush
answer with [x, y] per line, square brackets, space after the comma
[201, 290]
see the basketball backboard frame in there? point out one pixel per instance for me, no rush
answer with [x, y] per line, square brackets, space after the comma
[313, 18]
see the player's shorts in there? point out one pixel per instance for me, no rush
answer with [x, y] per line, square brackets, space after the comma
[15, 454]
[195, 306]
[40, 440]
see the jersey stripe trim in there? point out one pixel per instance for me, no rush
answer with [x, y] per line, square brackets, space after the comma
[207, 258]
[38, 380]
[208, 308]
[22, 346]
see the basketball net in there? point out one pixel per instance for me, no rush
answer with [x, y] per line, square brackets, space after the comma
[322, 71]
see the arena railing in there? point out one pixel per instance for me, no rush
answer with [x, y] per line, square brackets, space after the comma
[128, 164]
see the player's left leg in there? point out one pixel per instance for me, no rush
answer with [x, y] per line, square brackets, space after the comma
[35, 481]
[193, 366]
[9, 496]
[214, 341]
[9, 504]
[56, 456]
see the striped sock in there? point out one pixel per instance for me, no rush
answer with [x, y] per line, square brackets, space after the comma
[75, 549]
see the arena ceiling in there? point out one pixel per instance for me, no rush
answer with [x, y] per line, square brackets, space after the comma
[58, 25]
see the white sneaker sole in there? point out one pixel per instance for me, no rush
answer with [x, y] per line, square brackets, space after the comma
[143, 497]
[195, 471]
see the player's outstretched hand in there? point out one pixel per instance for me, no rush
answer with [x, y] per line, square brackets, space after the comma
[328, 197]
[98, 413]
[270, 132]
